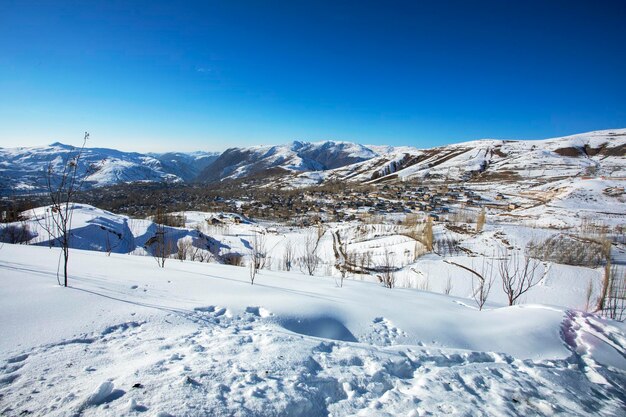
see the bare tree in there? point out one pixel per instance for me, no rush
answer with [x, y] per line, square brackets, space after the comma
[481, 287]
[481, 220]
[288, 256]
[258, 251]
[258, 254]
[448, 288]
[588, 295]
[427, 234]
[184, 249]
[387, 271]
[606, 282]
[309, 261]
[62, 184]
[518, 274]
[481, 281]
[615, 303]
[159, 245]
[16, 233]
[365, 261]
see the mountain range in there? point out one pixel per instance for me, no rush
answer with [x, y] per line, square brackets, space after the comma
[599, 153]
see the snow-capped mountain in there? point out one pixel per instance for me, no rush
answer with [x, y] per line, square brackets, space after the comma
[24, 169]
[593, 154]
[600, 153]
[293, 157]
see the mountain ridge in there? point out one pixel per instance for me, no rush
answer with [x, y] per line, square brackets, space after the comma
[301, 163]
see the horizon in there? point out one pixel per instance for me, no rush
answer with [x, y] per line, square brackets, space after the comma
[207, 76]
[367, 145]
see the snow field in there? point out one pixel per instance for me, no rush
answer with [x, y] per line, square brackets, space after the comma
[195, 339]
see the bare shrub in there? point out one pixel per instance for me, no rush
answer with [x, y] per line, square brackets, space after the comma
[233, 258]
[461, 216]
[447, 246]
[169, 219]
[15, 233]
[448, 288]
[424, 284]
[365, 261]
[568, 250]
[614, 305]
[588, 295]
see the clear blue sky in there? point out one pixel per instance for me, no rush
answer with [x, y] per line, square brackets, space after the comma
[166, 75]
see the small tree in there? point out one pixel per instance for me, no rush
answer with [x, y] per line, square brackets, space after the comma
[481, 281]
[159, 245]
[258, 254]
[427, 234]
[288, 256]
[62, 184]
[448, 288]
[309, 261]
[518, 275]
[387, 271]
[604, 292]
[480, 221]
[184, 250]
[615, 302]
[481, 286]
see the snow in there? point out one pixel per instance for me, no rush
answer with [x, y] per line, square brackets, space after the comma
[128, 337]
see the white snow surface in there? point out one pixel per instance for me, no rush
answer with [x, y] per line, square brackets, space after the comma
[195, 339]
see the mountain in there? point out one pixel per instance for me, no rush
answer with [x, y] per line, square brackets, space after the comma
[297, 164]
[293, 157]
[600, 153]
[185, 165]
[24, 169]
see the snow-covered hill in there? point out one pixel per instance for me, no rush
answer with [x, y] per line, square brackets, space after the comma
[24, 169]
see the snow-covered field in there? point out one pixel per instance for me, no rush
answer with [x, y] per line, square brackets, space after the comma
[196, 339]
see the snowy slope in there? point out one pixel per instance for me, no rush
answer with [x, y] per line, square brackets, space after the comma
[129, 338]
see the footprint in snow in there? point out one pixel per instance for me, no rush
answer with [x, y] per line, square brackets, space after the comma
[258, 311]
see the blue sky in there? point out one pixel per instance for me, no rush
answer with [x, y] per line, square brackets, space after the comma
[164, 75]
